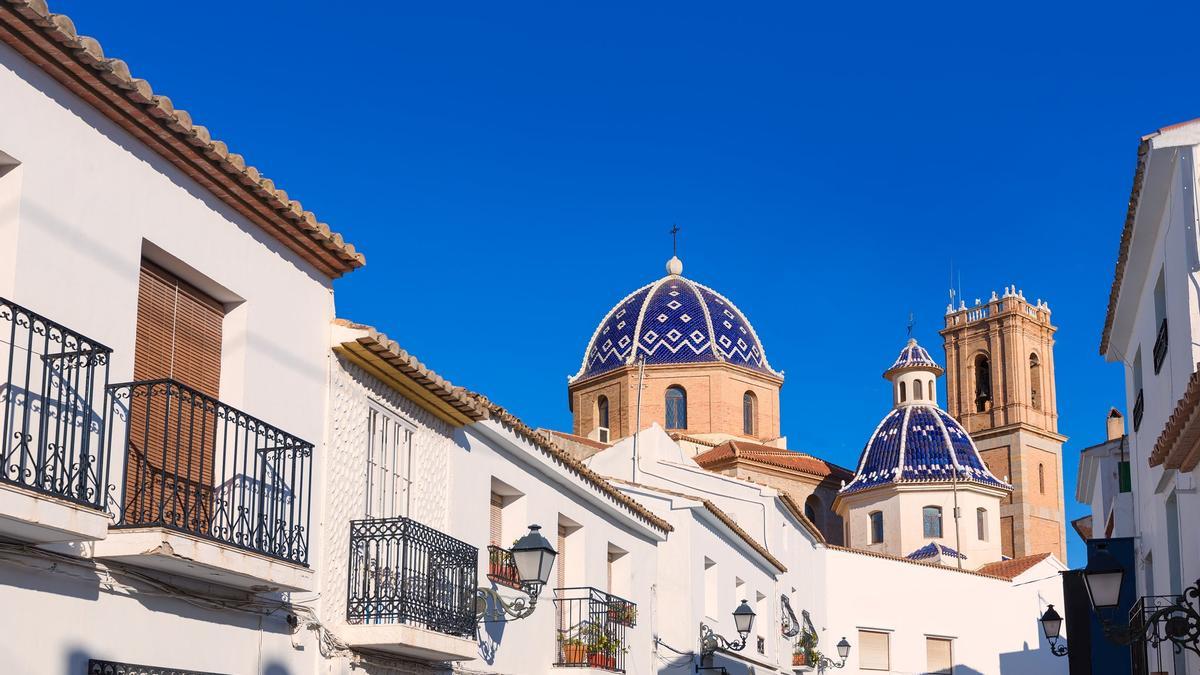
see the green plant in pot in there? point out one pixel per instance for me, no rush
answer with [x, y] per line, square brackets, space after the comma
[574, 649]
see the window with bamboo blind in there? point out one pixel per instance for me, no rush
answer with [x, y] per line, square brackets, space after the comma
[939, 656]
[169, 462]
[496, 520]
[562, 556]
[874, 650]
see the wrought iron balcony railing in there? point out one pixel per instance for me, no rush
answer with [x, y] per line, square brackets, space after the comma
[97, 667]
[1139, 407]
[502, 569]
[404, 572]
[194, 464]
[592, 627]
[1160, 346]
[52, 393]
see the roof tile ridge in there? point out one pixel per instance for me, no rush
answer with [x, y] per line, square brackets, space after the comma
[899, 473]
[595, 333]
[712, 334]
[749, 326]
[637, 328]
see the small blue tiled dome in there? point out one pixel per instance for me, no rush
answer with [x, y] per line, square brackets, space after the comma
[933, 550]
[673, 320]
[918, 442]
[913, 356]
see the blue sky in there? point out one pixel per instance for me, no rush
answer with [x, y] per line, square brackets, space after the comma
[511, 171]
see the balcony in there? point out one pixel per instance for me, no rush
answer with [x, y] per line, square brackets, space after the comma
[1160, 346]
[207, 491]
[591, 629]
[411, 591]
[52, 458]
[502, 569]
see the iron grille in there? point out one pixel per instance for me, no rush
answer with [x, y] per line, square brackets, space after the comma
[1160, 346]
[97, 667]
[592, 628]
[404, 572]
[1139, 406]
[502, 569]
[194, 464]
[52, 395]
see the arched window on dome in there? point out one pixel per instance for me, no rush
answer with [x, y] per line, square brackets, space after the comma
[981, 523]
[931, 390]
[931, 517]
[918, 390]
[903, 393]
[602, 412]
[983, 383]
[676, 407]
[876, 527]
[813, 509]
[749, 413]
[1035, 382]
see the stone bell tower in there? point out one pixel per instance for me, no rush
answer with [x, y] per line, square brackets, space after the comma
[1000, 386]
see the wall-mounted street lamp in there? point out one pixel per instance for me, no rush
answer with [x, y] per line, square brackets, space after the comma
[710, 642]
[1051, 627]
[1154, 618]
[533, 556]
[843, 649]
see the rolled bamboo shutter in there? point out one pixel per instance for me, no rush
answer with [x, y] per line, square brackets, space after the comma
[495, 523]
[169, 474]
[873, 650]
[938, 656]
[562, 556]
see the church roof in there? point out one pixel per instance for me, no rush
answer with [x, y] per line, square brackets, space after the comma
[731, 451]
[920, 444]
[933, 550]
[671, 321]
[913, 355]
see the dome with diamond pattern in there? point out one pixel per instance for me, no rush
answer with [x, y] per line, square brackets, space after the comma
[673, 321]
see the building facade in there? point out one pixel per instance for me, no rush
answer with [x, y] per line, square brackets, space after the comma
[1000, 385]
[1151, 329]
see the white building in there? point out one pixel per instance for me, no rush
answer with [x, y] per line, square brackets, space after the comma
[1153, 329]
[1104, 483]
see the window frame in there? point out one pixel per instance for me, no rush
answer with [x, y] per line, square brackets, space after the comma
[925, 522]
[749, 413]
[875, 522]
[676, 405]
[401, 500]
[887, 649]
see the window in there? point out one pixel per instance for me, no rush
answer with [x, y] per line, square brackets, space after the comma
[1124, 480]
[813, 508]
[873, 650]
[918, 391]
[602, 412]
[939, 656]
[931, 390]
[496, 520]
[876, 527]
[676, 407]
[389, 454]
[763, 609]
[1035, 382]
[1042, 478]
[903, 393]
[932, 518]
[983, 383]
[710, 589]
[1160, 323]
[1139, 402]
[749, 412]
[981, 523]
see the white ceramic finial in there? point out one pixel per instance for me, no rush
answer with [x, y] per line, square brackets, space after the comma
[675, 266]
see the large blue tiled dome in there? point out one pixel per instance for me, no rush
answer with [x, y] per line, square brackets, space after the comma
[918, 442]
[673, 320]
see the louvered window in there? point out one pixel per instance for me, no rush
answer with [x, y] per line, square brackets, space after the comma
[874, 650]
[939, 656]
[496, 520]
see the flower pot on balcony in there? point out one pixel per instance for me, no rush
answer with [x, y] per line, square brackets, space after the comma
[602, 661]
[799, 659]
[574, 654]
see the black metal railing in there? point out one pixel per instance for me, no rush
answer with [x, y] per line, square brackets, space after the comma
[502, 569]
[404, 572]
[194, 464]
[98, 667]
[591, 628]
[52, 393]
[1139, 407]
[1160, 346]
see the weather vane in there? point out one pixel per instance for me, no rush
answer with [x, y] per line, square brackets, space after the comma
[674, 239]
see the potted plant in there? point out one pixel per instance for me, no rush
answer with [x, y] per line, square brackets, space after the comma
[799, 655]
[624, 613]
[574, 651]
[602, 649]
[805, 653]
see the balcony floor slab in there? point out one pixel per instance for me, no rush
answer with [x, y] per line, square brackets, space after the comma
[31, 516]
[409, 641]
[174, 552]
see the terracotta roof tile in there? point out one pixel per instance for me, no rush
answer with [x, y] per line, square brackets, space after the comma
[1083, 526]
[79, 63]
[798, 512]
[1135, 195]
[1011, 569]
[582, 440]
[932, 565]
[1178, 446]
[731, 451]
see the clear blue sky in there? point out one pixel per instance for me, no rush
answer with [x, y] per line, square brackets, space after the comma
[511, 170]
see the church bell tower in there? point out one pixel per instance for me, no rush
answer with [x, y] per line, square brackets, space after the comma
[1000, 386]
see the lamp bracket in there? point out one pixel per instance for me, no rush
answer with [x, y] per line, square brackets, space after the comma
[490, 606]
[1161, 618]
[710, 642]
